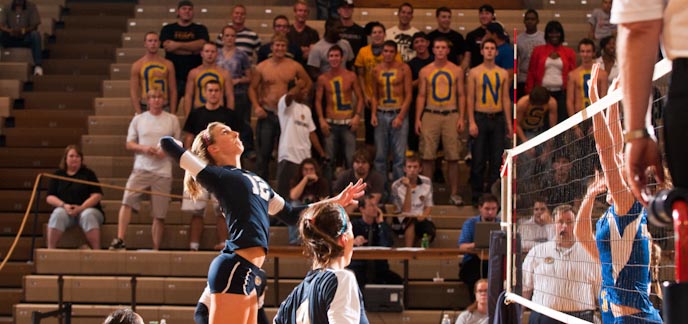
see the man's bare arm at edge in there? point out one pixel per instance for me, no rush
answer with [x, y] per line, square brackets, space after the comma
[637, 60]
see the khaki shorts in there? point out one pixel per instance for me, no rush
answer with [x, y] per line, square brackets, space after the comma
[198, 207]
[435, 127]
[142, 180]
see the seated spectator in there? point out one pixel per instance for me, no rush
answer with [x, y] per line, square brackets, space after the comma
[537, 228]
[307, 186]
[412, 195]
[472, 267]
[375, 182]
[75, 203]
[607, 59]
[476, 313]
[19, 28]
[124, 316]
[560, 274]
[559, 186]
[372, 230]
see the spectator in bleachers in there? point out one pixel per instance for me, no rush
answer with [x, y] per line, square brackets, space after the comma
[152, 169]
[307, 186]
[476, 313]
[457, 44]
[280, 25]
[489, 118]
[535, 113]
[412, 196]
[270, 83]
[403, 32]
[392, 91]
[600, 27]
[297, 136]
[472, 267]
[152, 71]
[577, 97]
[607, 58]
[537, 228]
[300, 34]
[183, 41]
[75, 203]
[340, 118]
[558, 184]
[560, 274]
[505, 51]
[423, 57]
[440, 111]
[124, 316]
[199, 76]
[372, 230]
[550, 65]
[351, 31]
[474, 39]
[197, 121]
[368, 57]
[527, 40]
[318, 61]
[19, 22]
[361, 170]
[246, 39]
[238, 64]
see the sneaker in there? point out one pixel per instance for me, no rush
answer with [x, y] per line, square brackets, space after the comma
[456, 200]
[117, 244]
[37, 71]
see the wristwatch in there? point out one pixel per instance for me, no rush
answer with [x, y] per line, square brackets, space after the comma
[635, 134]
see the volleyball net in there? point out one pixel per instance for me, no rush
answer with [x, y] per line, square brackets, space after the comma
[552, 171]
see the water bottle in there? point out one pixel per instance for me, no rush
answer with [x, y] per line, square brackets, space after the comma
[446, 319]
[163, 321]
[425, 242]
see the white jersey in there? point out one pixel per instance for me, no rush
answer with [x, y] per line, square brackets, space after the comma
[674, 13]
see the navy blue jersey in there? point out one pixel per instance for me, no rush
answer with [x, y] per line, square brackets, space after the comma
[324, 296]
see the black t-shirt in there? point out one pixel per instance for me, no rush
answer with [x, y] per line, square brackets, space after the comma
[73, 192]
[356, 36]
[416, 64]
[183, 63]
[199, 119]
[458, 47]
[307, 37]
[474, 39]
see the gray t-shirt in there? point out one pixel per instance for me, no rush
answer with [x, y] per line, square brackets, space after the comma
[318, 55]
[600, 20]
[526, 43]
[20, 19]
[147, 129]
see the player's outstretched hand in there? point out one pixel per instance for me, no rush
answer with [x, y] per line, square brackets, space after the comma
[351, 193]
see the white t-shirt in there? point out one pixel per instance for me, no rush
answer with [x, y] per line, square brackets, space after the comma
[674, 12]
[526, 43]
[566, 280]
[533, 233]
[421, 196]
[613, 73]
[404, 39]
[147, 129]
[296, 124]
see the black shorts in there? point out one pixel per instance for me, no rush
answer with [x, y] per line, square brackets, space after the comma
[229, 273]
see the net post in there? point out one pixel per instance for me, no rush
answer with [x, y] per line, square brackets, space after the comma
[507, 190]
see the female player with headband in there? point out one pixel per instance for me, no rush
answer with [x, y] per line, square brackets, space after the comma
[329, 293]
[246, 201]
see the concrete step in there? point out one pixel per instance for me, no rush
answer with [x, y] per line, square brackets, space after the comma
[37, 137]
[69, 83]
[77, 51]
[77, 66]
[78, 100]
[23, 157]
